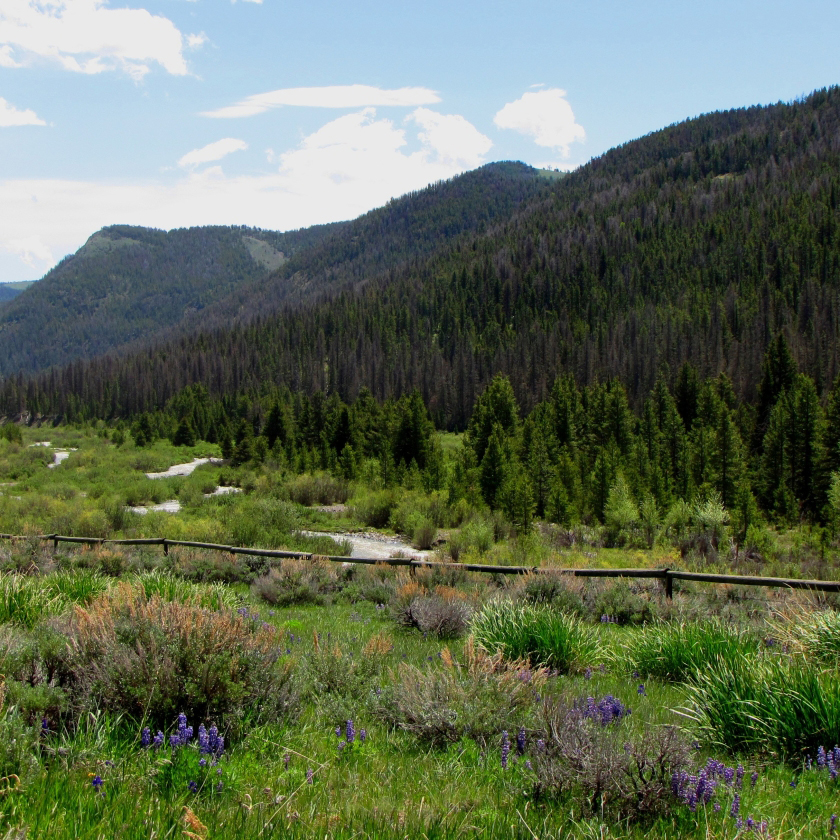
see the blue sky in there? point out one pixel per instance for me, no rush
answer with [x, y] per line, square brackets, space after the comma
[283, 114]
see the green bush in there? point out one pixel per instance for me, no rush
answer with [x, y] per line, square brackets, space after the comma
[23, 601]
[537, 633]
[374, 508]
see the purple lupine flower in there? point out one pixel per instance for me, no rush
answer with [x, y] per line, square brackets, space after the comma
[174, 741]
[350, 732]
[640, 689]
[754, 778]
[587, 674]
[541, 745]
[146, 738]
[338, 732]
[45, 727]
[716, 807]
[363, 735]
[286, 759]
[728, 775]
[505, 749]
[202, 762]
[310, 776]
[820, 757]
[219, 786]
[836, 752]
[157, 743]
[739, 776]
[203, 740]
[528, 764]
[342, 744]
[520, 742]
[793, 783]
[736, 806]
[97, 782]
[193, 786]
[750, 823]
[833, 824]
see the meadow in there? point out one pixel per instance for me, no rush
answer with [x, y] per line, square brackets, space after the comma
[202, 695]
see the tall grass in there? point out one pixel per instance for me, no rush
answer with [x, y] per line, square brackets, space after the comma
[760, 704]
[678, 652]
[212, 596]
[24, 601]
[537, 633]
[816, 633]
[79, 586]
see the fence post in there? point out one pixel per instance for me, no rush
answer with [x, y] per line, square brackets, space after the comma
[669, 585]
[165, 547]
[55, 543]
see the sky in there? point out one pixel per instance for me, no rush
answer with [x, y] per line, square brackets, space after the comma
[281, 114]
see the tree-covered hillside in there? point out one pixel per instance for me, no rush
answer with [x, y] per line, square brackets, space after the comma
[697, 243]
[131, 283]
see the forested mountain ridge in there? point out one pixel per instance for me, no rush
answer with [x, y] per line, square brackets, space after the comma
[407, 229]
[699, 243]
[131, 283]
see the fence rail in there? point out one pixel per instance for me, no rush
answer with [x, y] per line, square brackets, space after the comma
[667, 576]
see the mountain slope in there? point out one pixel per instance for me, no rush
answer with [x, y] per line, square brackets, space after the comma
[128, 283]
[696, 243]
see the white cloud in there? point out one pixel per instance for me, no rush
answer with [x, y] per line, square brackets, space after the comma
[195, 41]
[544, 115]
[86, 37]
[348, 166]
[213, 151]
[456, 141]
[9, 115]
[333, 96]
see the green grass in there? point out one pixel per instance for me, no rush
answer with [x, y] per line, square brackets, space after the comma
[540, 634]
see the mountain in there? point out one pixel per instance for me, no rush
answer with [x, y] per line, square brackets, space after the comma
[131, 283]
[700, 242]
[128, 286]
[9, 291]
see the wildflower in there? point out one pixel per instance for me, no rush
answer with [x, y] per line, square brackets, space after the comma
[203, 740]
[342, 744]
[45, 727]
[728, 775]
[193, 786]
[157, 743]
[736, 806]
[363, 735]
[793, 783]
[97, 782]
[350, 732]
[821, 757]
[309, 776]
[287, 758]
[520, 742]
[219, 787]
[739, 776]
[505, 749]
[640, 689]
[587, 675]
[202, 762]
[753, 778]
[528, 764]
[716, 807]
[146, 738]
[750, 823]
[833, 824]
[338, 732]
[541, 745]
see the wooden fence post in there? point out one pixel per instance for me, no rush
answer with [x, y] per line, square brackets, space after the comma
[165, 547]
[669, 585]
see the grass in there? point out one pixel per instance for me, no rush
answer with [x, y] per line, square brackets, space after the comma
[536, 633]
[699, 663]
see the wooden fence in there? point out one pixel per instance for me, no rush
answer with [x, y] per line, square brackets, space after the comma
[667, 576]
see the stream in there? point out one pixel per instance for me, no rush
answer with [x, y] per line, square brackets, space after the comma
[372, 545]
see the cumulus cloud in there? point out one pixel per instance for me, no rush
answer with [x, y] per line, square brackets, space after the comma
[544, 115]
[9, 115]
[348, 166]
[332, 96]
[85, 36]
[213, 151]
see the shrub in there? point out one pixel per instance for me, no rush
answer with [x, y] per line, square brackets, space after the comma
[679, 652]
[425, 534]
[537, 633]
[477, 698]
[624, 604]
[444, 614]
[591, 759]
[321, 488]
[477, 535]
[374, 508]
[548, 588]
[152, 658]
[296, 582]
